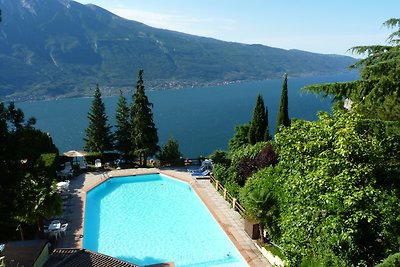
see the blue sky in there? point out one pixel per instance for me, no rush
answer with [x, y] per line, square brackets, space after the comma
[322, 26]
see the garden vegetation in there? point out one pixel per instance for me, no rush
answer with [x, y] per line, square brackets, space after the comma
[327, 192]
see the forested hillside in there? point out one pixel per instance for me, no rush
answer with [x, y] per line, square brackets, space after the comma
[60, 48]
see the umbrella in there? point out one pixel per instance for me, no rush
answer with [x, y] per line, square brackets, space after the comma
[75, 153]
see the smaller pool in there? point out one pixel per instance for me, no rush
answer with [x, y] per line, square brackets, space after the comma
[151, 219]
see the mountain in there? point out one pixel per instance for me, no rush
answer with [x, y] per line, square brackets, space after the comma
[61, 48]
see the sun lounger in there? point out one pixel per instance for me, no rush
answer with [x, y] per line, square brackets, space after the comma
[82, 165]
[199, 170]
[97, 163]
[67, 172]
[63, 229]
[204, 173]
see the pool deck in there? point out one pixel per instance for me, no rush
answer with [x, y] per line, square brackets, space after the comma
[229, 219]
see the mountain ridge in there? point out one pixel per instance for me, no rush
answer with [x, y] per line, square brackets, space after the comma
[61, 48]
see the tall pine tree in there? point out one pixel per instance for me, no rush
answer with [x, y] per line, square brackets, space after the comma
[283, 113]
[144, 131]
[267, 136]
[259, 124]
[98, 134]
[377, 93]
[123, 140]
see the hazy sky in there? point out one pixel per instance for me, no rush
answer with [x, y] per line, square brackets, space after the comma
[323, 26]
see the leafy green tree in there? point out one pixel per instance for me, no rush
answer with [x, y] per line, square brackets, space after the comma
[377, 94]
[123, 140]
[339, 190]
[258, 126]
[391, 261]
[28, 163]
[170, 153]
[220, 157]
[98, 134]
[241, 137]
[144, 131]
[259, 199]
[283, 113]
[38, 197]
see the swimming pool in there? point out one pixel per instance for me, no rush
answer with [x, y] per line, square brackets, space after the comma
[149, 219]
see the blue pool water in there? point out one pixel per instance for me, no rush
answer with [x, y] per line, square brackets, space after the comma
[150, 219]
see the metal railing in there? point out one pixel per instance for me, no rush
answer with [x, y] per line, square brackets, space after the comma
[235, 205]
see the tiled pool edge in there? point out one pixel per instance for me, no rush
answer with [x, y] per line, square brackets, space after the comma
[249, 251]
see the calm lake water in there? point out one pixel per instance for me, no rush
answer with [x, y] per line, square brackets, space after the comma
[202, 120]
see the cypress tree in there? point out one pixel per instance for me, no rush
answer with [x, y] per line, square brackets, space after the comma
[267, 136]
[98, 134]
[259, 124]
[144, 132]
[123, 141]
[283, 113]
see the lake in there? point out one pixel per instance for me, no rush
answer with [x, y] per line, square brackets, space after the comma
[202, 120]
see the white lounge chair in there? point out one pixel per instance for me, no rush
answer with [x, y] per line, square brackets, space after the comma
[202, 174]
[82, 165]
[97, 163]
[55, 233]
[63, 229]
[67, 172]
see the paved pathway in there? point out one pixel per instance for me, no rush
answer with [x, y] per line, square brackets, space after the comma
[230, 220]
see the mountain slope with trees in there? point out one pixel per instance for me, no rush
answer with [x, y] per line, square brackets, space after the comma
[60, 48]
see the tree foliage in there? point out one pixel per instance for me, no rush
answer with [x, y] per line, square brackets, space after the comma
[391, 261]
[333, 198]
[28, 164]
[258, 130]
[248, 165]
[98, 133]
[241, 137]
[144, 131]
[123, 138]
[170, 153]
[377, 94]
[220, 157]
[259, 197]
[283, 113]
[339, 190]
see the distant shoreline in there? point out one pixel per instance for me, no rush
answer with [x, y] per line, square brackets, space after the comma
[153, 86]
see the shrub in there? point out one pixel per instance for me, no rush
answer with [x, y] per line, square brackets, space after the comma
[248, 165]
[266, 157]
[233, 188]
[245, 168]
[50, 162]
[90, 158]
[391, 261]
[260, 199]
[221, 172]
[220, 157]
